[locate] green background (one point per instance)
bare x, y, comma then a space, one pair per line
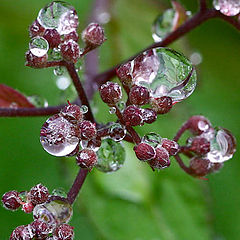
133, 203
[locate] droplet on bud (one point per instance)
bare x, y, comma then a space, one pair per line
152, 139
227, 7
60, 16
111, 156
84, 109
223, 146
59, 71
58, 136
112, 110
59, 192
54, 213
38, 46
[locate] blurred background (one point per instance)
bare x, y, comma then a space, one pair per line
133, 203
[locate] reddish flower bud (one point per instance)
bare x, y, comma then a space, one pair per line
161, 105
110, 93
72, 35
93, 35
132, 116
27, 207
40, 229
17, 233
38, 194
36, 29
171, 146
124, 73
149, 116
199, 166
10, 200
88, 130
34, 61
72, 113
144, 151
198, 124
64, 232
200, 146
70, 51
161, 159
53, 37
86, 158
139, 95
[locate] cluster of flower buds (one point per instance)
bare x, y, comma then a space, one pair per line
54, 36
156, 150
50, 214
209, 148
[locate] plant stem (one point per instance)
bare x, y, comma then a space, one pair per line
78, 85
78, 182
182, 165
29, 112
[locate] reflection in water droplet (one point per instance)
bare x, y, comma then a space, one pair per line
60, 16
60, 192
111, 156
117, 132
59, 71
58, 136
54, 213
196, 58
63, 82
38, 46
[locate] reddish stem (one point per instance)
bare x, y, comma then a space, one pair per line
182, 165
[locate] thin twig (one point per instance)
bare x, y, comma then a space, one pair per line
29, 112
78, 85
78, 182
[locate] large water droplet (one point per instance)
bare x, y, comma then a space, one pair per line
152, 139
60, 16
111, 156
164, 72
60, 192
54, 213
227, 7
58, 136
223, 146
38, 46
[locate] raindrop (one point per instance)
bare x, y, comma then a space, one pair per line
112, 110
38, 101
58, 136
223, 146
164, 72
60, 16
38, 46
59, 192
63, 82
59, 71
152, 139
111, 156
54, 213
56, 54
84, 109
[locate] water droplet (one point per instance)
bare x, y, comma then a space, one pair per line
23, 196
56, 54
84, 109
111, 156
152, 139
121, 105
54, 213
227, 7
58, 136
94, 144
59, 71
223, 146
60, 16
164, 72
117, 132
112, 110
38, 46
38, 101
60, 192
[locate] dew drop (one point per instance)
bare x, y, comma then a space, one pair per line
56, 54
164, 72
111, 156
59, 71
54, 213
38, 46
58, 136
121, 105
223, 146
84, 109
60, 192
60, 16
112, 110
38, 101
152, 139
